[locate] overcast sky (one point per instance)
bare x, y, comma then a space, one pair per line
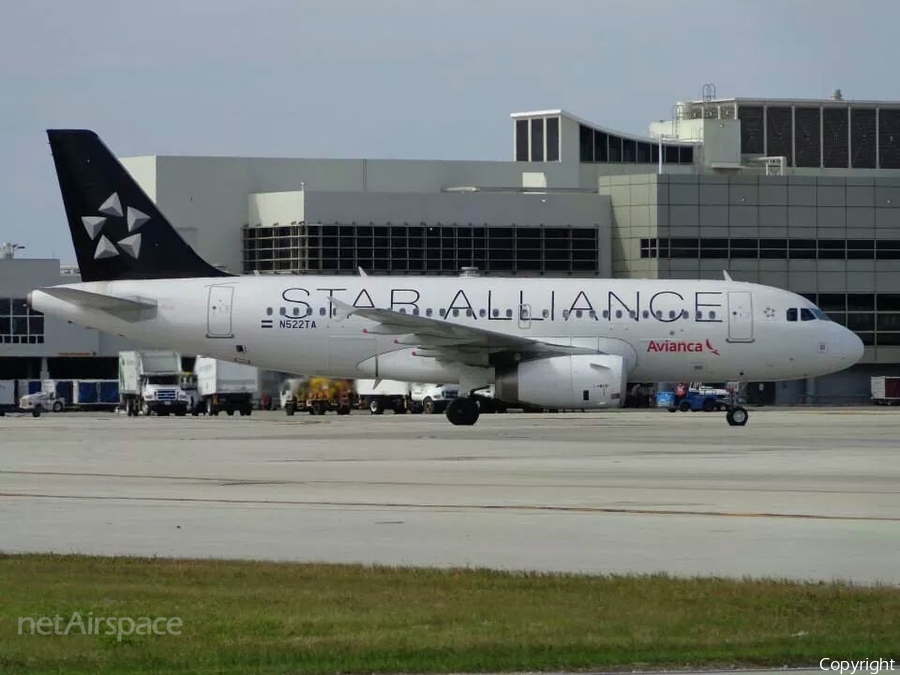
392, 78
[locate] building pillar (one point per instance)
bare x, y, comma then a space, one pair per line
45, 369
810, 390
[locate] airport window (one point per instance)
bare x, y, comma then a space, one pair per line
601, 146
860, 321
832, 249
670, 154
752, 139
615, 149
629, 151
887, 249
807, 137
860, 302
779, 136
521, 140
744, 248
19, 324
887, 322
835, 151
686, 154
888, 302
883, 339
586, 143
836, 302
643, 153
860, 249
537, 140
552, 139
862, 138
684, 248
889, 138
713, 248
773, 248
801, 249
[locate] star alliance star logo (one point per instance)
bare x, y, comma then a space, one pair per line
112, 208
769, 312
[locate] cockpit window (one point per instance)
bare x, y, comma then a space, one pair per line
806, 314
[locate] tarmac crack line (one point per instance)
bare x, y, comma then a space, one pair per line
459, 507
237, 482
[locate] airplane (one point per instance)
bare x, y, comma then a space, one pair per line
546, 342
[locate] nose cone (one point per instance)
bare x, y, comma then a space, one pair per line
850, 348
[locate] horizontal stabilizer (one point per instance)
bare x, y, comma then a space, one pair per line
107, 303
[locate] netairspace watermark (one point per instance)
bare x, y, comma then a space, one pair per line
872, 666
120, 626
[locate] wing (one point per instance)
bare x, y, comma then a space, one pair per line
443, 339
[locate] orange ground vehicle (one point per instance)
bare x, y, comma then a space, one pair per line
319, 395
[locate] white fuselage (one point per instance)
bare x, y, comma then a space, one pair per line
666, 330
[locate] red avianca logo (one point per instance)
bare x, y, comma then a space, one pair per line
681, 346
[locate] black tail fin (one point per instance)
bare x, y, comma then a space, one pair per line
117, 230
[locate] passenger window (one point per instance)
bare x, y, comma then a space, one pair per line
415, 311
618, 313
545, 313
468, 312
455, 312
699, 315
605, 313
671, 313
428, 312
282, 311
712, 314
631, 314
321, 311
592, 314
403, 310
482, 312
268, 311
443, 312
684, 314
509, 314
659, 314
806, 314
646, 314
495, 312
565, 314
578, 314
792, 314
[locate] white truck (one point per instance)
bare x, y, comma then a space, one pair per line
151, 382
381, 395
225, 385
416, 397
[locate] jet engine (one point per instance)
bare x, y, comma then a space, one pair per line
582, 381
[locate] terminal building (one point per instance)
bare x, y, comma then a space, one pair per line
799, 194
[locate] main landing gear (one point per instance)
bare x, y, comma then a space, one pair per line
463, 411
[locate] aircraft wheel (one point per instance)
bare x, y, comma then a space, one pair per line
737, 417
462, 412
376, 407
428, 406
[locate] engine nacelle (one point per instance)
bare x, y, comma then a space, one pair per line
583, 381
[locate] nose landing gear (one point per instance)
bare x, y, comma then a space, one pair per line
736, 415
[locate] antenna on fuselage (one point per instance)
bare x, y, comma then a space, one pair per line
362, 272
726, 275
